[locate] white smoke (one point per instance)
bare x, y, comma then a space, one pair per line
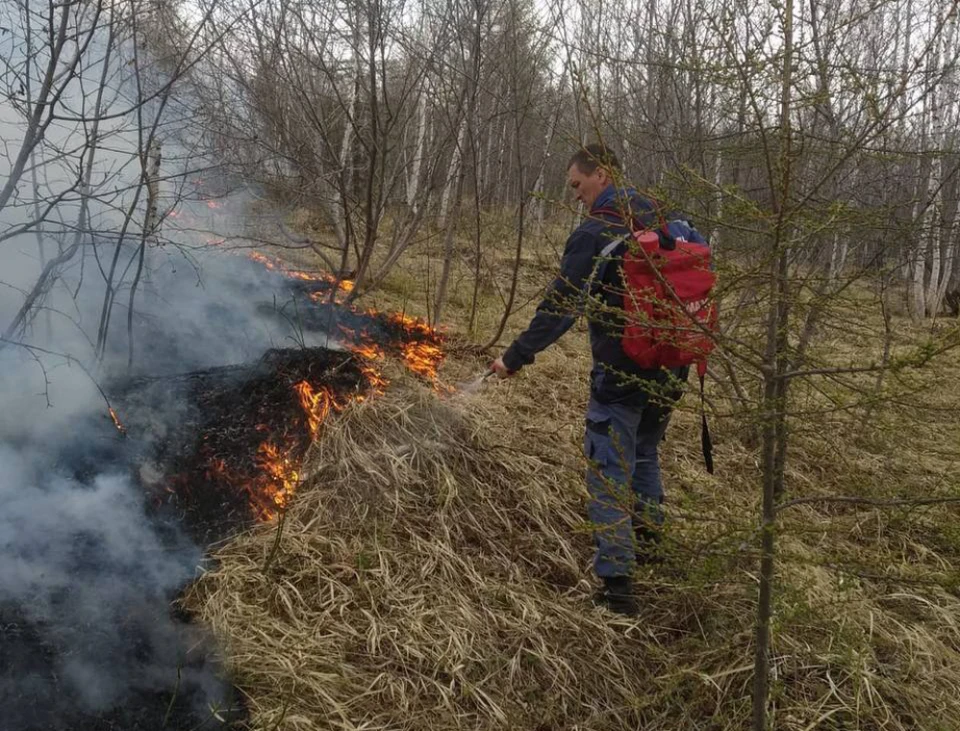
82, 562
86, 576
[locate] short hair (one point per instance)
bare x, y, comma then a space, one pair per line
592, 156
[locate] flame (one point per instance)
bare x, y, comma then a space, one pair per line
281, 475
262, 259
316, 405
423, 358
116, 421
375, 378
368, 350
412, 324
424, 355
213, 204
274, 264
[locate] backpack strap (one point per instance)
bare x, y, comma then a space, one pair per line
667, 240
609, 248
601, 261
706, 444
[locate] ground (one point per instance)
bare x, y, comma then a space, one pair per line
434, 569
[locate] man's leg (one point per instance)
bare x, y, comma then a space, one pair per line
610, 448
646, 480
647, 484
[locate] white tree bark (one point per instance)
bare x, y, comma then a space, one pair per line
717, 201
949, 234
838, 255
944, 93
455, 162
413, 180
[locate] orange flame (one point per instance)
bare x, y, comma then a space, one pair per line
412, 324
368, 350
281, 476
272, 490
262, 259
316, 405
116, 421
423, 358
274, 264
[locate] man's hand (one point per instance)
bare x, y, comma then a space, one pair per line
500, 369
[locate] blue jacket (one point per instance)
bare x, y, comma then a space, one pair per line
581, 269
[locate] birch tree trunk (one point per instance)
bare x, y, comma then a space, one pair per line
717, 201
456, 165
547, 144
931, 225
413, 180
944, 96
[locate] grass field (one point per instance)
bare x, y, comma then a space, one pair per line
434, 569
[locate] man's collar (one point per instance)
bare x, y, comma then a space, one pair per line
612, 197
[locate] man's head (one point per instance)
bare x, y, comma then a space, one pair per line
590, 170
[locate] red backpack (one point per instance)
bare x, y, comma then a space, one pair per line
671, 314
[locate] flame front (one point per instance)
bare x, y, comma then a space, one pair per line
368, 350
271, 491
273, 264
423, 358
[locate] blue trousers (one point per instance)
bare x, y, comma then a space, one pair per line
623, 478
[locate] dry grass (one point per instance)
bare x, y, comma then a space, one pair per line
434, 574
434, 571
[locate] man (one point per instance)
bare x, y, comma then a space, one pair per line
629, 407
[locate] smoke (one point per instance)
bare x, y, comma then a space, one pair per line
81, 563
87, 574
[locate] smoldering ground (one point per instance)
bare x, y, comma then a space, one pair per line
86, 583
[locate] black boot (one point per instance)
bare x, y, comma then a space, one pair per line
617, 596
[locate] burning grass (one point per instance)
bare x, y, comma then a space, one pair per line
324, 278
237, 452
250, 426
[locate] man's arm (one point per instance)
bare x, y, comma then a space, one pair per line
560, 307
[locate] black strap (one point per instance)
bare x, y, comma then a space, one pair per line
705, 442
